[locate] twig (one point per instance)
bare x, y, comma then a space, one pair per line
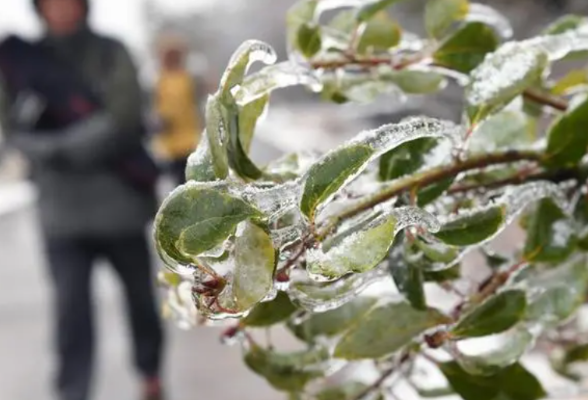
431, 176
385, 375
546, 99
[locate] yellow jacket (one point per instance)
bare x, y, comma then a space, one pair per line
176, 105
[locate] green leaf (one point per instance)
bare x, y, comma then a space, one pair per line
469, 229
368, 11
550, 234
441, 14
270, 312
506, 129
289, 372
564, 24
466, 48
512, 383
449, 274
255, 262
386, 329
169, 278
345, 391
574, 78
562, 292
380, 34
405, 159
216, 129
409, 280
495, 315
415, 81
512, 348
241, 134
493, 86
309, 40
333, 322
436, 251
240, 62
430, 193
359, 252
324, 178
301, 13
195, 219
200, 167
567, 141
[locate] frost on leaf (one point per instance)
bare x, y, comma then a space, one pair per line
364, 249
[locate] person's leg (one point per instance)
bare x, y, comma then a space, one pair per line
70, 265
131, 259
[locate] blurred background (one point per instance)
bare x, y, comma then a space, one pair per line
198, 365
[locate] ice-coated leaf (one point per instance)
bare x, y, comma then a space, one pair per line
380, 34
341, 165
441, 14
472, 228
199, 167
345, 391
196, 218
255, 261
466, 48
390, 136
321, 297
274, 77
431, 192
217, 127
550, 234
325, 177
270, 312
415, 81
409, 279
513, 382
309, 40
506, 129
489, 16
240, 139
301, 13
288, 372
502, 76
249, 52
385, 330
567, 142
506, 349
332, 322
558, 293
366, 12
495, 315
575, 79
565, 23
363, 250
519, 197
405, 159
444, 275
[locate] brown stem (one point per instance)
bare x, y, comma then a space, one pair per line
546, 99
517, 179
434, 175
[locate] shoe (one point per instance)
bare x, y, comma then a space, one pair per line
152, 389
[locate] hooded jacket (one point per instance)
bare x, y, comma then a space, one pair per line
80, 194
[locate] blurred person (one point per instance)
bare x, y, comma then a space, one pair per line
74, 110
176, 107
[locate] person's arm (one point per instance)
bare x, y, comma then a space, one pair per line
118, 126
110, 132
13, 125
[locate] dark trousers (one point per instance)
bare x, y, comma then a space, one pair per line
71, 263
